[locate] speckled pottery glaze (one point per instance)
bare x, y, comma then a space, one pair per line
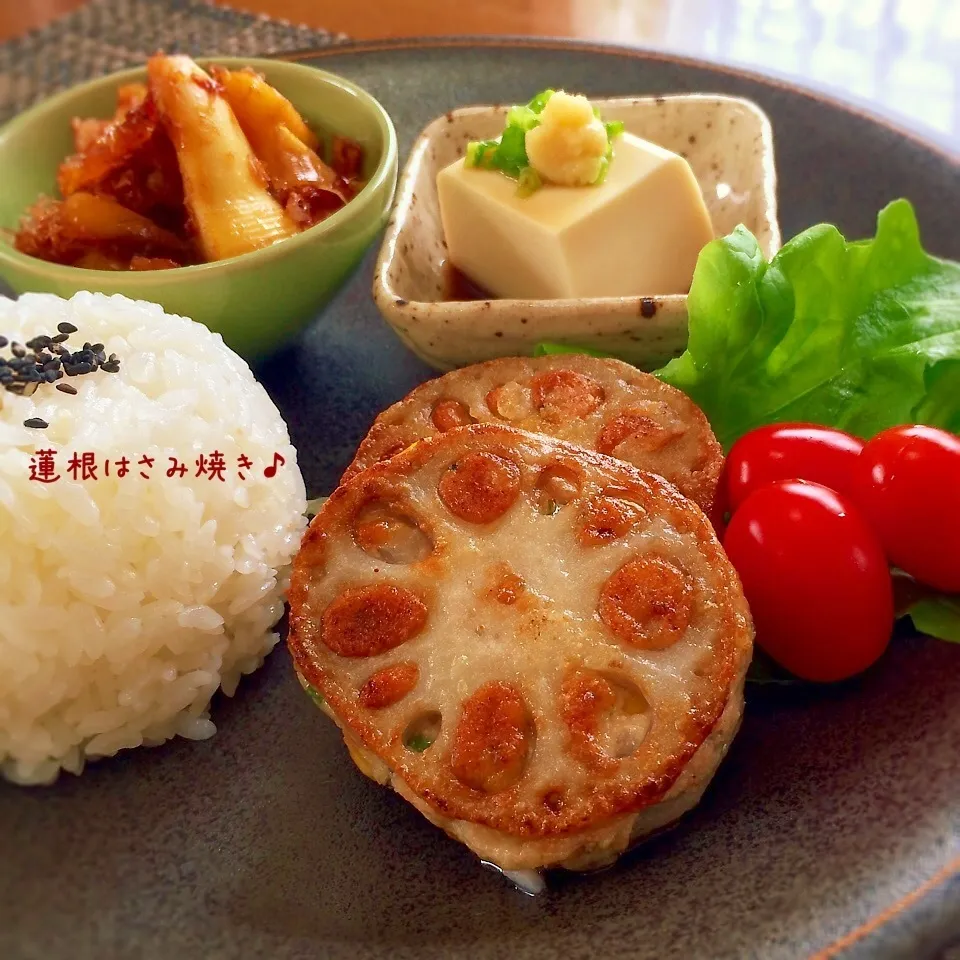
729, 144
831, 830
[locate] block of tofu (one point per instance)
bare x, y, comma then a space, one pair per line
636, 234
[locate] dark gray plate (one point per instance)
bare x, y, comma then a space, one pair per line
833, 826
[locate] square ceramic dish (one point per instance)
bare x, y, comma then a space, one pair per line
729, 144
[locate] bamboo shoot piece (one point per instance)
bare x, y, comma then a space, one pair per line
153, 263
95, 260
308, 189
224, 188
106, 149
258, 105
91, 230
87, 216
346, 157
303, 183
130, 95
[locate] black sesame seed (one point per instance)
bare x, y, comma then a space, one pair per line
35, 423
44, 359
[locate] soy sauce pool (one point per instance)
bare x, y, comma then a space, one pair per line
457, 286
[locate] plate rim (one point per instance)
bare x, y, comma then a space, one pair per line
904, 907
899, 126
900, 909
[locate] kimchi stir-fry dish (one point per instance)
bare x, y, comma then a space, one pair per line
192, 167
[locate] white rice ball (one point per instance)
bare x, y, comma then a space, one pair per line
126, 601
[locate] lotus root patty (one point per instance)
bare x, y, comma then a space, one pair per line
532, 636
604, 405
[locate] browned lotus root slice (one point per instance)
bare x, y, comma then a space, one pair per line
648, 602
610, 515
480, 487
364, 621
603, 405
533, 679
607, 715
492, 738
389, 685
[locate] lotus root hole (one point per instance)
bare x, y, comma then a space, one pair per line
390, 535
422, 731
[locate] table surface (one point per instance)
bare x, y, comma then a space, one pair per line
898, 57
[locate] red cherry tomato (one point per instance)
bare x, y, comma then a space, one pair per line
790, 451
907, 483
816, 579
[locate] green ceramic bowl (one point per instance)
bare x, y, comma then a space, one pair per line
256, 301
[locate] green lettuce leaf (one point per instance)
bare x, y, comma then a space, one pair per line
547, 347
860, 335
764, 671
937, 617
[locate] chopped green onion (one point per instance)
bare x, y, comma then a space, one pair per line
315, 695
540, 101
523, 118
614, 128
508, 152
549, 507
602, 174
511, 156
481, 153
528, 181
418, 743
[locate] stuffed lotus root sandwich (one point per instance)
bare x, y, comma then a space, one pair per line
605, 405
541, 648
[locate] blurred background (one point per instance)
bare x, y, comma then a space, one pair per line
901, 57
